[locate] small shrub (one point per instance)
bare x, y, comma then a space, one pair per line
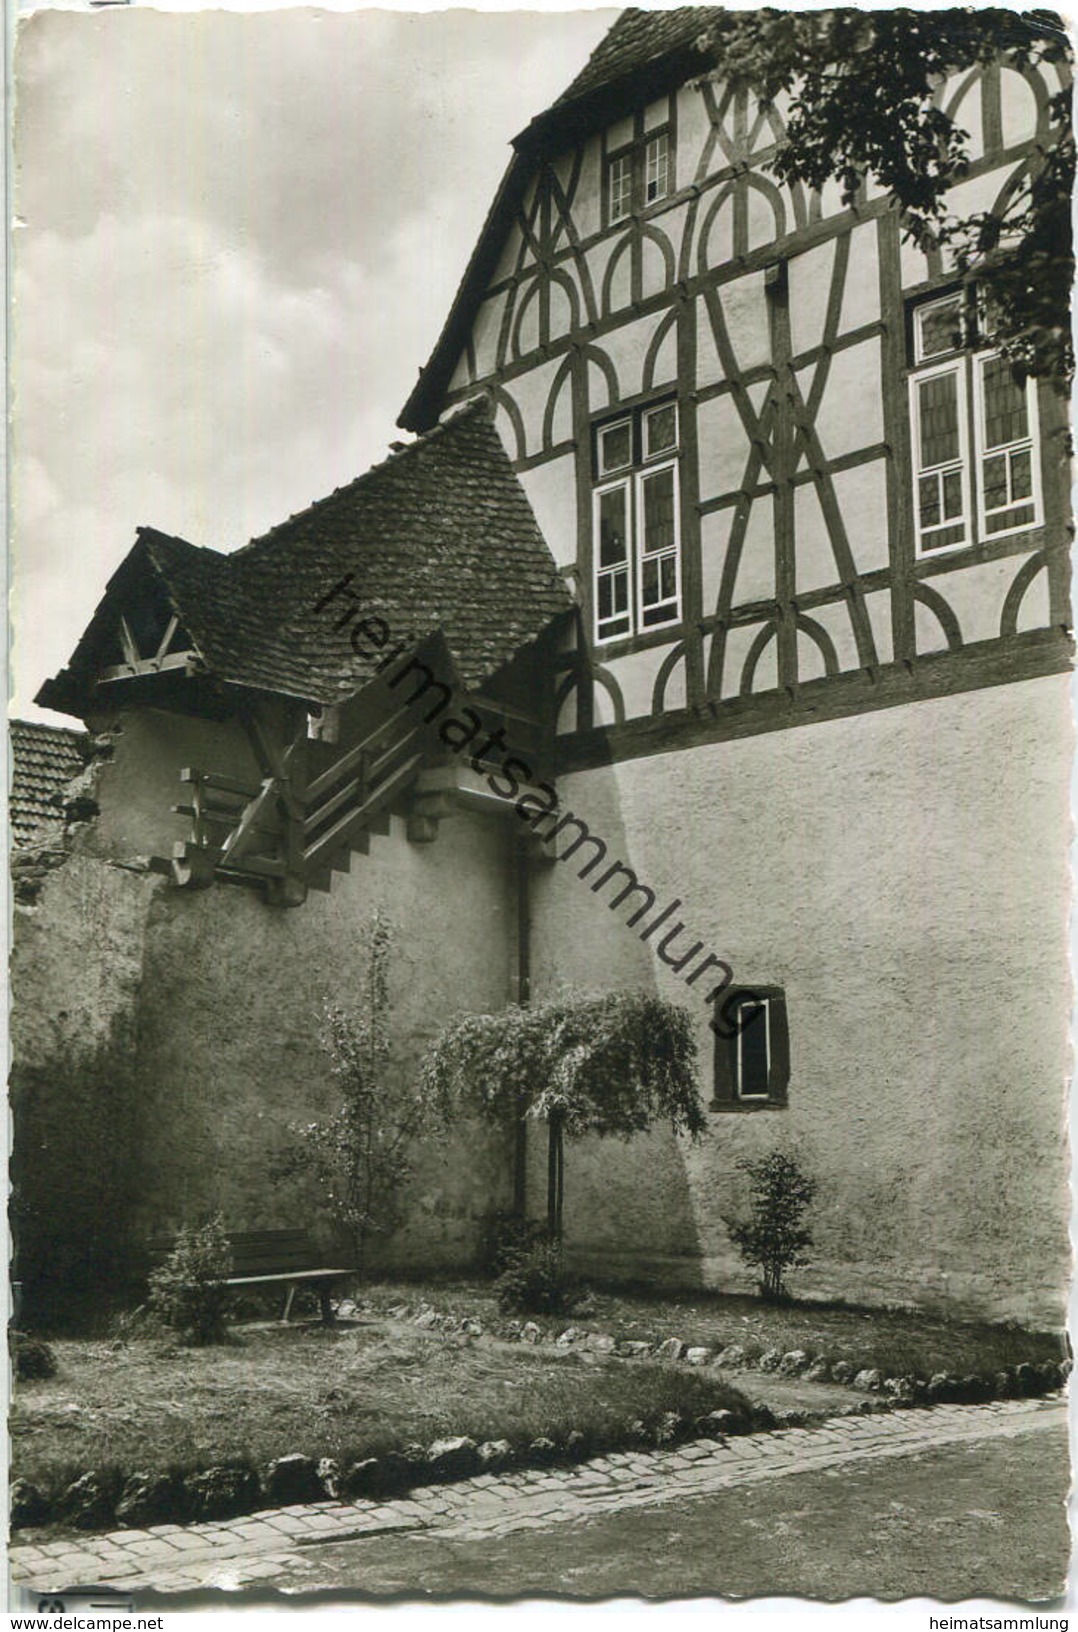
505, 1236
534, 1281
188, 1291
31, 1359
774, 1238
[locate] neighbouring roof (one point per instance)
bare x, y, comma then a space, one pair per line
643, 55
439, 536
45, 758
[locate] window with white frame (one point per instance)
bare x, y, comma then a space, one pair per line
974, 433
621, 186
656, 167
636, 523
639, 174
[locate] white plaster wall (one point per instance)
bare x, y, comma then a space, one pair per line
902, 875
209, 1003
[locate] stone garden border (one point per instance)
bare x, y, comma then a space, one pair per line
102, 1500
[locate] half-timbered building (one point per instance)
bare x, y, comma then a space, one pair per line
712, 637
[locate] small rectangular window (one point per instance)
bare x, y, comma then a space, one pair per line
1009, 499
752, 1050
939, 327
615, 447
657, 168
639, 174
660, 430
612, 613
621, 186
940, 452
658, 544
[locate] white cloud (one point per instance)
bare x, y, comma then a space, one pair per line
243, 233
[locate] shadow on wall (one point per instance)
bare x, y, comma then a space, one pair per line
74, 1174
628, 1202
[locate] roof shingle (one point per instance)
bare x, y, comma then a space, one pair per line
637, 39
45, 758
439, 536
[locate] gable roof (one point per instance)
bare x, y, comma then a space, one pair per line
636, 41
439, 536
45, 758
643, 55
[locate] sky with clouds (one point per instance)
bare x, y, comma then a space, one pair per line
238, 237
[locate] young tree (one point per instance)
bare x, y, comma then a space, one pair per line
773, 1238
613, 1064
360, 1157
864, 89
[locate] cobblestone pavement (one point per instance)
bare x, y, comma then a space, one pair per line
243, 1552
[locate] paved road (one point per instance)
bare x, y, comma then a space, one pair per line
954, 1502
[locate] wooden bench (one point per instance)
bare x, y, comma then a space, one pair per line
272, 1257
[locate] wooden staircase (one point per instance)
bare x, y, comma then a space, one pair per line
315, 805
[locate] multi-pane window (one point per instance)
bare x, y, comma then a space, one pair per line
621, 186
639, 175
974, 434
657, 167
1005, 414
637, 571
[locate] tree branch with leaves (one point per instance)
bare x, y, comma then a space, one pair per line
360, 1157
615, 1064
864, 91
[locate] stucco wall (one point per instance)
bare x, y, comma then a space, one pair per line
902, 875
185, 1025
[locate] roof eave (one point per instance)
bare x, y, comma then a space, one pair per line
563, 125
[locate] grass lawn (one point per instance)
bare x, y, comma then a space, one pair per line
350, 1392
379, 1383
897, 1342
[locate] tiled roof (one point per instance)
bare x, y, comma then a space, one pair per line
44, 759
439, 536
636, 40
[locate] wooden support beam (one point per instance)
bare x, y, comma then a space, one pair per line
166, 639
289, 891
242, 835
274, 762
132, 655
219, 782
142, 666
186, 853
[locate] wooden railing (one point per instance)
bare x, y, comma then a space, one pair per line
315, 804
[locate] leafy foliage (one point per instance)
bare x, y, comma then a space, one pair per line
533, 1280
865, 99
188, 1291
774, 1238
613, 1064
359, 1158
31, 1358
